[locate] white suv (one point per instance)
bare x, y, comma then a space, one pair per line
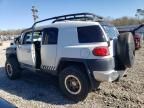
81, 49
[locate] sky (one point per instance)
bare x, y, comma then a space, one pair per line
16, 14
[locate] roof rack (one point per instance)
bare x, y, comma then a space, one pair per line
77, 16
73, 17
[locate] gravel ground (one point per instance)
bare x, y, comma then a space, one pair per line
39, 91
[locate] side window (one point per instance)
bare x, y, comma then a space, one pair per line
90, 34
27, 38
37, 36
50, 36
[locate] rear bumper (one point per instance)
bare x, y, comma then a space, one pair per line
105, 69
108, 76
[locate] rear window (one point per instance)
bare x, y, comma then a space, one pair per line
111, 31
90, 34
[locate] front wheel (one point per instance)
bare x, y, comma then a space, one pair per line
74, 83
12, 68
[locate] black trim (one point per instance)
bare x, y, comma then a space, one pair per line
49, 69
29, 67
46, 69
23, 65
11, 51
101, 64
88, 71
92, 65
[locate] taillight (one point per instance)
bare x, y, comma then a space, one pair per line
101, 51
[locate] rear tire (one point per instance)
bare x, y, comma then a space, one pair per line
12, 68
73, 83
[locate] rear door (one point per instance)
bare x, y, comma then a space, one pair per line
49, 48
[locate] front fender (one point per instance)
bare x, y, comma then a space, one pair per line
11, 51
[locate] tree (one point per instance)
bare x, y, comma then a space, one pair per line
125, 21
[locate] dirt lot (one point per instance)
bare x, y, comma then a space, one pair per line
34, 91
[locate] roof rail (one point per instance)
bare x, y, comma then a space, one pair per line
77, 16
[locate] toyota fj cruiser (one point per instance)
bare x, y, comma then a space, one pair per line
81, 49
135, 30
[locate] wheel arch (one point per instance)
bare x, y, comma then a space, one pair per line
11, 52
65, 62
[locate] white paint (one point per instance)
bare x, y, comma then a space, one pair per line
48, 55
26, 54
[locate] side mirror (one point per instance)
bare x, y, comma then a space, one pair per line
18, 42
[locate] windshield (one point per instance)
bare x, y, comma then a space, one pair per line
111, 31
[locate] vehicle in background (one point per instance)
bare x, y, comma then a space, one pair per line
138, 38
